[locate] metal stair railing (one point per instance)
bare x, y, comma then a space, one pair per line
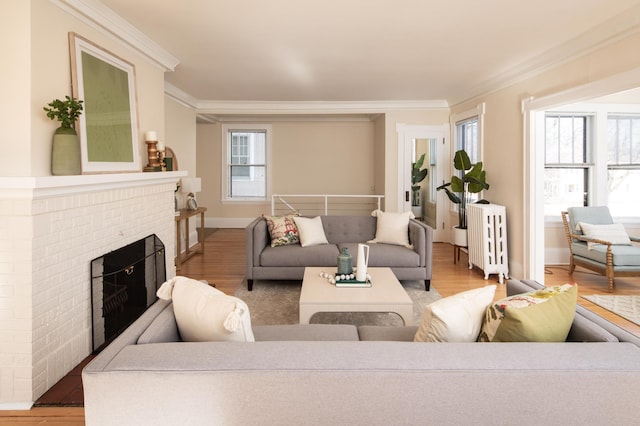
309, 204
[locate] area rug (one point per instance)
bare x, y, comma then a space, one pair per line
276, 302
627, 307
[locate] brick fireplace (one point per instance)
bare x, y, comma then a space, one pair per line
50, 230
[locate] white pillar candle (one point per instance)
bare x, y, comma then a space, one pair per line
160, 146
151, 136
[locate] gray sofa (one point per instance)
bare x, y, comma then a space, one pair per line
342, 374
288, 262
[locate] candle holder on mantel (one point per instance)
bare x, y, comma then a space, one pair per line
154, 164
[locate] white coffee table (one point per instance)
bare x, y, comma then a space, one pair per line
386, 294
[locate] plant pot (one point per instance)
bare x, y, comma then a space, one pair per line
417, 211
459, 236
65, 153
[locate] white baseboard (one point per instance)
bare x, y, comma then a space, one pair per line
556, 256
227, 222
11, 406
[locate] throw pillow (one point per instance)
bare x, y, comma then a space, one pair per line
282, 230
205, 314
392, 228
614, 233
543, 315
311, 231
456, 318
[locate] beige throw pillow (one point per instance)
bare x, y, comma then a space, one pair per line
205, 314
311, 231
392, 228
456, 318
614, 233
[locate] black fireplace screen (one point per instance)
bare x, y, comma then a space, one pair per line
123, 285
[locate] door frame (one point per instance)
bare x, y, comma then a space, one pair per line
406, 134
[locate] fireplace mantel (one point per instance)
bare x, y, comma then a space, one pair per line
52, 186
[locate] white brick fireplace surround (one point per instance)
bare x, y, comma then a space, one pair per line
50, 229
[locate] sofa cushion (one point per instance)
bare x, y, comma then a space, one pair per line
162, 329
387, 333
623, 255
204, 313
349, 229
318, 332
282, 230
294, 255
384, 255
544, 315
311, 231
392, 228
456, 318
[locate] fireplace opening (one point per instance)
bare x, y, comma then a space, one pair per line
123, 285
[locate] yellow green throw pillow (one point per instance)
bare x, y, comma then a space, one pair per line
539, 316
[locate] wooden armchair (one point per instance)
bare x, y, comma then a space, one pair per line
605, 257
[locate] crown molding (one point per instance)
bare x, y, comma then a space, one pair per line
602, 35
314, 107
100, 17
180, 96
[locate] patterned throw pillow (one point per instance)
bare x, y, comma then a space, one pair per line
283, 230
543, 315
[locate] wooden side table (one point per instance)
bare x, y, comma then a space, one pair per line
184, 216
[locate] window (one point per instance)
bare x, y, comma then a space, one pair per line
567, 162
245, 162
467, 138
623, 164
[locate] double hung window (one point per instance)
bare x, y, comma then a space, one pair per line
568, 165
623, 164
245, 157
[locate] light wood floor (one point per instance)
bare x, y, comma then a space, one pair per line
223, 264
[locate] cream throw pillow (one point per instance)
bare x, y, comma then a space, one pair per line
614, 233
311, 231
456, 318
392, 228
205, 314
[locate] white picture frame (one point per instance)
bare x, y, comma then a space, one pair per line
108, 127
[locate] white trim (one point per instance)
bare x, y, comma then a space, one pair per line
100, 17
54, 186
15, 406
180, 96
313, 107
227, 222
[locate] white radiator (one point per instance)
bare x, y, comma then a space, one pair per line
487, 239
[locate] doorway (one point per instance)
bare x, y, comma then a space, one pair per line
426, 203
534, 112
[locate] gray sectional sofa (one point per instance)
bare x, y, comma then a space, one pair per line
342, 374
264, 262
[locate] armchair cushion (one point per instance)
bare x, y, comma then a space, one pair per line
614, 233
623, 255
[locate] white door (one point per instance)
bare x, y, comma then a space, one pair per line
433, 142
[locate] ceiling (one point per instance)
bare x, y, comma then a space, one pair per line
332, 51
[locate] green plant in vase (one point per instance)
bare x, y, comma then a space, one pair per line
65, 152
472, 181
